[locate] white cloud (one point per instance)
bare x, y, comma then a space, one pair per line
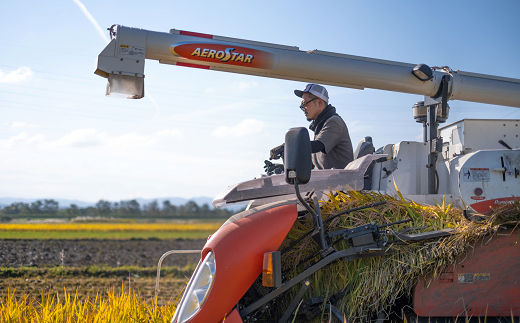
245, 85
81, 138
91, 137
359, 127
18, 124
231, 88
20, 75
133, 140
22, 125
245, 128
22, 139
169, 133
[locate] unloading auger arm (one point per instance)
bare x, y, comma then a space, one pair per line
122, 62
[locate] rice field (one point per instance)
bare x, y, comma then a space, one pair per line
94, 294
126, 306
373, 284
108, 230
87, 282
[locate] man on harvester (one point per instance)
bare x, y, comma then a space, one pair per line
331, 147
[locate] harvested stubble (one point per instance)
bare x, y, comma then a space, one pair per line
375, 283
126, 306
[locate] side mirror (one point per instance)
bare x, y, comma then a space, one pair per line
297, 156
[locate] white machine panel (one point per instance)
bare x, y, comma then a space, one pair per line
486, 179
407, 169
470, 135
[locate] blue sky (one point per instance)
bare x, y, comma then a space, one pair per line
60, 137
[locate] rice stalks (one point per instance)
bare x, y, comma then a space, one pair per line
375, 283
124, 307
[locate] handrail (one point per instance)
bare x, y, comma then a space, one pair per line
160, 262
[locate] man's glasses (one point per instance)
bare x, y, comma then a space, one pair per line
303, 106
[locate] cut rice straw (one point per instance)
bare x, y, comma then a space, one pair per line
375, 283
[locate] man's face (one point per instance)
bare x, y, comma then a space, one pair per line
312, 107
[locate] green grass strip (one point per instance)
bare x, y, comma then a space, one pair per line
95, 271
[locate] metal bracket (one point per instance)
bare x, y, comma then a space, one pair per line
436, 146
160, 262
295, 301
319, 226
391, 168
423, 236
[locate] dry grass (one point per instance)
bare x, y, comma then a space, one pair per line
375, 283
127, 306
85, 286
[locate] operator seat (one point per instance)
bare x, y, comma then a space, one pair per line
366, 147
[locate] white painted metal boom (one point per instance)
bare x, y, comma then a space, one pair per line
122, 62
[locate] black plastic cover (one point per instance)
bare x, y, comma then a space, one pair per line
297, 158
423, 72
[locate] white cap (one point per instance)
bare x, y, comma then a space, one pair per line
315, 89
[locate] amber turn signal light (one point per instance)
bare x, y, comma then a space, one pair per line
272, 269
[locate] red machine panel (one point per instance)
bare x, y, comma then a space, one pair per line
485, 282
239, 249
233, 317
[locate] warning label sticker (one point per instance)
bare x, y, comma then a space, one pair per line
133, 51
471, 278
475, 174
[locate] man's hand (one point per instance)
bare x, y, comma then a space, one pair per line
277, 152
271, 168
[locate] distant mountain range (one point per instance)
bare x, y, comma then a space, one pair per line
64, 203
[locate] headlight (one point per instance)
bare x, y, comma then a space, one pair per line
197, 290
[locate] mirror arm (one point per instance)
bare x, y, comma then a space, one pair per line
320, 229
302, 201
324, 245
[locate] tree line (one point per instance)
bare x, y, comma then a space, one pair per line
103, 208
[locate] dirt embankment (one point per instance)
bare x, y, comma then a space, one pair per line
114, 253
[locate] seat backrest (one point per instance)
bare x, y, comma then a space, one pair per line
364, 147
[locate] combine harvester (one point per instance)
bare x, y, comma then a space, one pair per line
474, 163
